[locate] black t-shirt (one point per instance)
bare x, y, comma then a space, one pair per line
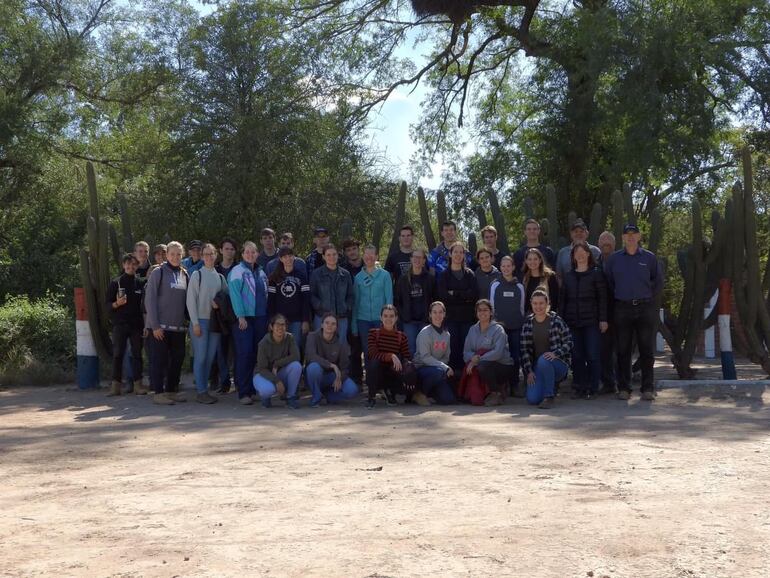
418, 303
225, 271
398, 263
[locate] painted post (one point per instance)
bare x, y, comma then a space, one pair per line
709, 346
725, 338
88, 360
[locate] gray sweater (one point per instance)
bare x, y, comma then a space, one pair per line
204, 286
324, 353
485, 281
494, 340
165, 298
275, 355
432, 348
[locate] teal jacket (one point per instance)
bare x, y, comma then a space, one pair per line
371, 293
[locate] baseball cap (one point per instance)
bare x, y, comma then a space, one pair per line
319, 230
579, 224
630, 228
195, 244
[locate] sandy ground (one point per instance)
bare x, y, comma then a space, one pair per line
92, 486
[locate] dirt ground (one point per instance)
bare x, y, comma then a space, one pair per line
93, 486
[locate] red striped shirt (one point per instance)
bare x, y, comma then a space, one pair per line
383, 343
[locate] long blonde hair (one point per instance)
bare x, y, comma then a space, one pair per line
545, 271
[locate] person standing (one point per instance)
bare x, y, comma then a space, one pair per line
287, 240
353, 263
507, 296
459, 291
315, 259
373, 288
399, 261
415, 290
438, 260
205, 283
328, 359
608, 356
583, 305
486, 273
269, 250
165, 302
124, 298
228, 249
247, 285
635, 278
142, 255
432, 360
538, 275
193, 262
278, 366
489, 239
288, 294
546, 344
331, 291
532, 241
158, 256
579, 234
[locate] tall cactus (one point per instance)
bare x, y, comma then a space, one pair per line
529, 208
552, 213
441, 211
346, 230
499, 220
473, 245
427, 228
595, 227
377, 233
617, 218
400, 215
628, 204
481, 215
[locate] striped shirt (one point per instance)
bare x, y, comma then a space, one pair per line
384, 343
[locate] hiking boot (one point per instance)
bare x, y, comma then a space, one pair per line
224, 388
246, 400
114, 389
493, 399
292, 403
648, 395
140, 388
315, 403
420, 399
547, 403
206, 398
624, 395
162, 399
176, 396
390, 397
608, 390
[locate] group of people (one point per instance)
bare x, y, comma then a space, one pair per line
440, 326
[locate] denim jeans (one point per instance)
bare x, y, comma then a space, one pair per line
586, 366
342, 325
288, 374
320, 382
246, 342
295, 328
412, 329
204, 350
363, 333
433, 383
547, 375
226, 345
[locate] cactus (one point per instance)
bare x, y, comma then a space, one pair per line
481, 215
551, 211
595, 226
377, 233
571, 218
346, 229
400, 215
472, 244
545, 232
656, 230
441, 212
617, 218
529, 208
499, 220
427, 228
628, 204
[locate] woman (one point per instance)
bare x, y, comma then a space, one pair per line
415, 290
583, 305
539, 275
459, 291
486, 349
205, 283
487, 273
432, 359
247, 286
278, 366
328, 362
545, 351
388, 352
165, 302
373, 288
331, 290
507, 297
288, 293
228, 249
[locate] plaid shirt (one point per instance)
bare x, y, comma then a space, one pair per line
558, 336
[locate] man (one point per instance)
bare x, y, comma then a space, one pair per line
142, 255
635, 277
608, 355
124, 298
353, 263
315, 259
228, 249
489, 239
194, 261
158, 256
286, 240
398, 262
532, 239
438, 259
269, 250
578, 234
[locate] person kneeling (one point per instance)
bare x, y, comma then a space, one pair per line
387, 356
486, 352
328, 362
432, 360
278, 366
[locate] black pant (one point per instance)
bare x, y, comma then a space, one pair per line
381, 375
166, 359
635, 321
608, 357
121, 336
495, 375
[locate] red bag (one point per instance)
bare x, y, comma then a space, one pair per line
471, 388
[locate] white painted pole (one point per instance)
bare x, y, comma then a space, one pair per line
709, 337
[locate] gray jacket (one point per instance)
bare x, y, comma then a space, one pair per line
165, 298
324, 353
494, 340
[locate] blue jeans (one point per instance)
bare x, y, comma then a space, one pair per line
547, 375
295, 328
246, 342
433, 383
288, 374
342, 325
412, 329
363, 333
320, 383
458, 330
204, 350
586, 353
226, 345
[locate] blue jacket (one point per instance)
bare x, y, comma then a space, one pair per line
371, 293
331, 291
248, 290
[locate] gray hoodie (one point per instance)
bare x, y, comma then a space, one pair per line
165, 298
494, 340
432, 348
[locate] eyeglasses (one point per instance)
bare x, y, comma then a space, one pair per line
209, 254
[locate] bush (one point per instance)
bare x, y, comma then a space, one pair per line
37, 341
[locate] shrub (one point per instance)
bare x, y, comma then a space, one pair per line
37, 341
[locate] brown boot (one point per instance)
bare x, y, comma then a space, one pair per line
162, 399
140, 388
115, 389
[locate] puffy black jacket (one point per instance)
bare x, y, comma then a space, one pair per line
459, 295
583, 298
404, 296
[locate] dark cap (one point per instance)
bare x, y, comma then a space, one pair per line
319, 230
630, 228
579, 224
195, 244
285, 251
159, 248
